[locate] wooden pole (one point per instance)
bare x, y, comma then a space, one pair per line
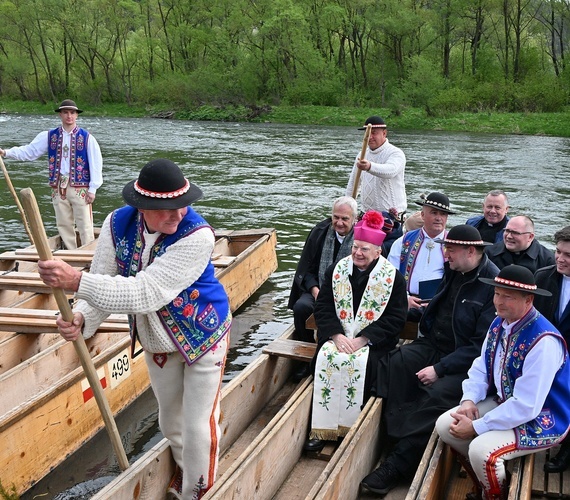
15, 196
44, 252
362, 154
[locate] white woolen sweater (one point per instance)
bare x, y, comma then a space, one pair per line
102, 291
382, 187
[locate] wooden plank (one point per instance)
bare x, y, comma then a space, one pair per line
18, 348
354, 459
61, 419
23, 320
252, 268
293, 349
244, 397
521, 468
47, 369
223, 260
409, 332
433, 449
272, 455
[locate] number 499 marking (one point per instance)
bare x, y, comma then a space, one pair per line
119, 368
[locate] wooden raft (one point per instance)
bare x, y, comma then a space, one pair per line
438, 475
22, 320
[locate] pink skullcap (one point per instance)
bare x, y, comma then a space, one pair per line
369, 229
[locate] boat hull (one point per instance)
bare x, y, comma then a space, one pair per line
52, 407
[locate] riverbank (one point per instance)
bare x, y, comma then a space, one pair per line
548, 124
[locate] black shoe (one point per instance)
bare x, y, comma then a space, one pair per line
304, 370
382, 480
560, 462
314, 445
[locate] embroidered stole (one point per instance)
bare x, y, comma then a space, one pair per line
339, 377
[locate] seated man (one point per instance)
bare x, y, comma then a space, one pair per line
359, 313
416, 254
556, 309
419, 381
494, 219
515, 399
328, 242
519, 246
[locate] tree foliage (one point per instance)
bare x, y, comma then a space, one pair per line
443, 55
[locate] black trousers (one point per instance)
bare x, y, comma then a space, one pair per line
302, 310
410, 408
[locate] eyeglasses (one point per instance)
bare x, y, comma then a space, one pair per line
355, 248
516, 233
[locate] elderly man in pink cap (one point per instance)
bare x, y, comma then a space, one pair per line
360, 311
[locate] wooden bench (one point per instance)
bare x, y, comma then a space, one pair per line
409, 332
14, 319
438, 475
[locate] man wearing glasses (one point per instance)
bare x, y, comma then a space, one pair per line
520, 247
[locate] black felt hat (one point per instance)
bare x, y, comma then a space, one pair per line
161, 186
68, 104
463, 234
436, 200
518, 278
375, 121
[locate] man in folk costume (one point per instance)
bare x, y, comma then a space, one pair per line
360, 312
416, 254
75, 172
153, 262
516, 399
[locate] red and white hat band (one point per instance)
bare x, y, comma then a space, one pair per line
158, 194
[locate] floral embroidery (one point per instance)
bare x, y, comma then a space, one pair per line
326, 373
354, 376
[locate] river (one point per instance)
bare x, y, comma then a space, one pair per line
286, 177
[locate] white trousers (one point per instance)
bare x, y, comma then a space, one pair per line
486, 453
189, 412
70, 212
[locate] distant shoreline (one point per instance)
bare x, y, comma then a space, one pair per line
543, 124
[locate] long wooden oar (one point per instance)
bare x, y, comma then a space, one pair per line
44, 252
362, 153
15, 196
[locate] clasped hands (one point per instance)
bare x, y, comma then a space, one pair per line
463, 428
346, 345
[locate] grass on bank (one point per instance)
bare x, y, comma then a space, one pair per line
551, 124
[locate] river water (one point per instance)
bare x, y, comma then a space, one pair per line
286, 177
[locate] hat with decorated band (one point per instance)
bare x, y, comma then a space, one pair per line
465, 235
369, 228
68, 104
515, 277
375, 121
161, 185
435, 200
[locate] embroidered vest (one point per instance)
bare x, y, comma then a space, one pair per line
411, 244
200, 315
78, 161
374, 299
552, 422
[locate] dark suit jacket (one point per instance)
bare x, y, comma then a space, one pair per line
533, 258
550, 279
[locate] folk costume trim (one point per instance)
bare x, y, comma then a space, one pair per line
78, 161
199, 316
411, 245
339, 377
164, 195
546, 429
